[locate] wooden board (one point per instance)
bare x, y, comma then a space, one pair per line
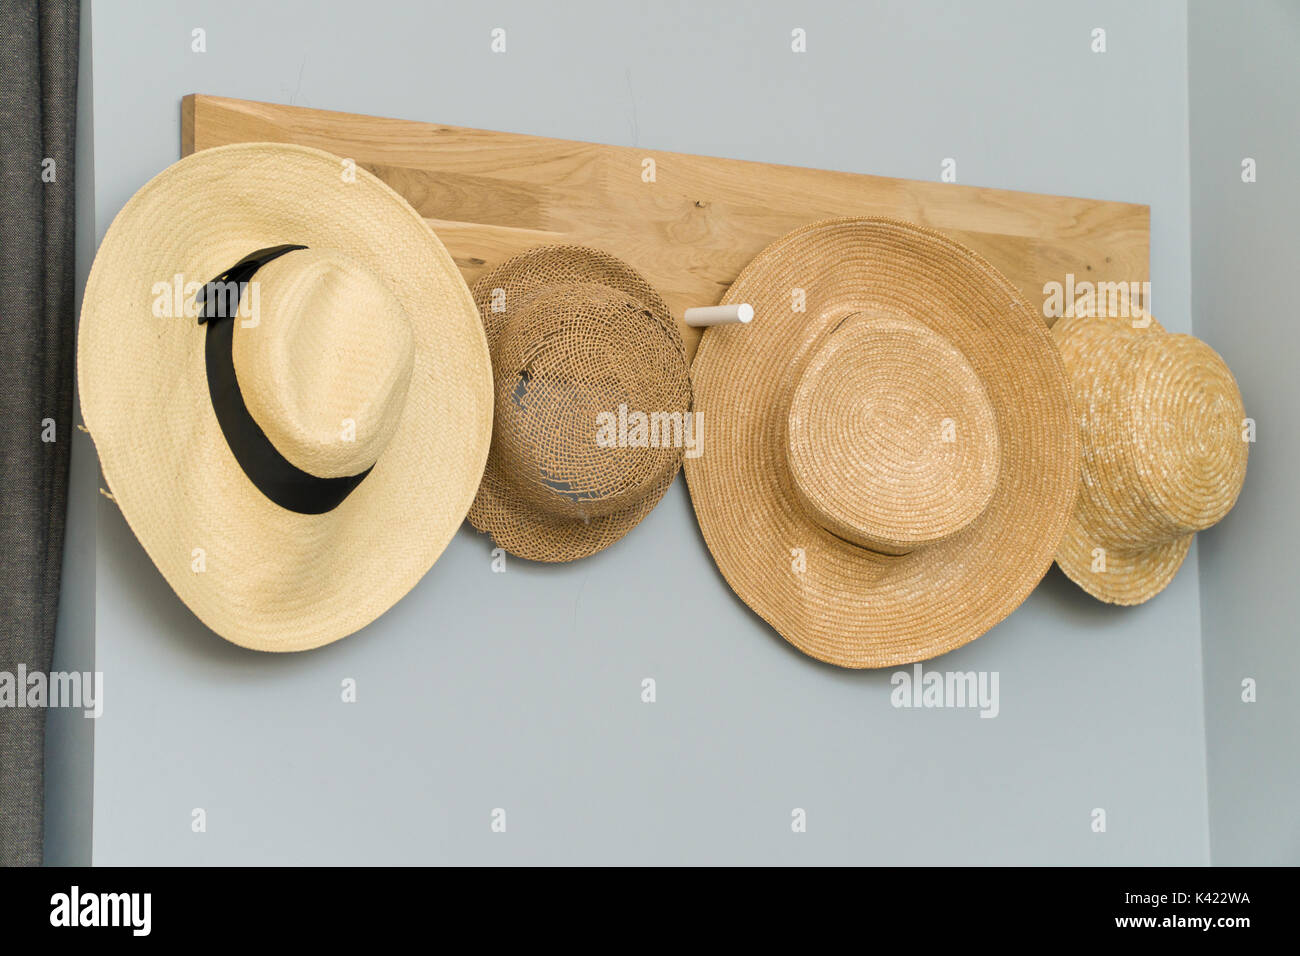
491, 195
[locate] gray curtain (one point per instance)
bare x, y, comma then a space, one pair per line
38, 98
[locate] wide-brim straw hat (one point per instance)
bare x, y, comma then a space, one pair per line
295, 467
891, 457
1163, 457
582, 347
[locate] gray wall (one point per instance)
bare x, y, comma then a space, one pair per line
1245, 102
521, 690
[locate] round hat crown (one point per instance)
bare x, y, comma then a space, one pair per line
324, 358
1163, 452
591, 400
892, 441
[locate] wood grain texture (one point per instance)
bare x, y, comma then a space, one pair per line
490, 195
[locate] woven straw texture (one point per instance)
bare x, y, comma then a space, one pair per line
576, 334
372, 323
1160, 418
916, 405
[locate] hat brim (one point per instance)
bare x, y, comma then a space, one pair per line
1127, 577
257, 574
833, 600
497, 511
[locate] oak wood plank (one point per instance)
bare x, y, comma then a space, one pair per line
490, 195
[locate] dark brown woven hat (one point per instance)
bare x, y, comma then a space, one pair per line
581, 346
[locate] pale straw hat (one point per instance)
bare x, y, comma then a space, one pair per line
593, 400
1161, 422
891, 456
294, 468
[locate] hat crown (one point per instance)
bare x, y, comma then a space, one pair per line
892, 440
591, 400
324, 359
1164, 455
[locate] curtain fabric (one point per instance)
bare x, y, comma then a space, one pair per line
38, 96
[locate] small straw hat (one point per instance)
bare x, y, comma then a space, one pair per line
289, 389
1163, 455
593, 400
891, 457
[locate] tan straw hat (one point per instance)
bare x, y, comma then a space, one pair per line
295, 443
1163, 454
593, 401
891, 457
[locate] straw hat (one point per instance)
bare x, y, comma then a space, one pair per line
593, 400
891, 457
1163, 456
295, 467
